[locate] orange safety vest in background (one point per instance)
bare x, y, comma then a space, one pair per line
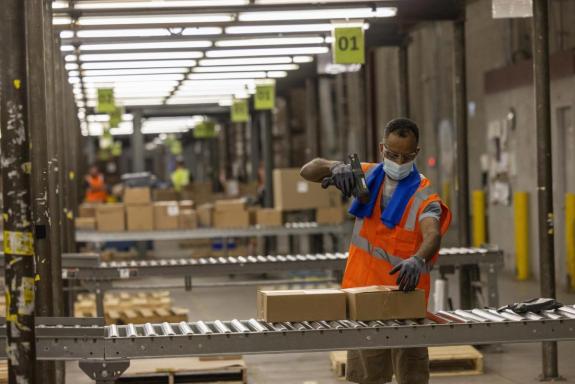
96, 192
375, 249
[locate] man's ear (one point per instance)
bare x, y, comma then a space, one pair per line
381, 148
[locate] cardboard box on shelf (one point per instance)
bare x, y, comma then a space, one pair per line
230, 205
332, 215
111, 217
249, 189
140, 217
166, 215
188, 219
205, 215
335, 197
269, 217
231, 219
187, 204
301, 305
138, 195
385, 303
167, 194
292, 192
87, 210
85, 223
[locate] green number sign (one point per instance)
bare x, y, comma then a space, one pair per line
240, 112
265, 97
348, 45
106, 102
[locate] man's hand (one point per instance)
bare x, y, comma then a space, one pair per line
409, 272
343, 179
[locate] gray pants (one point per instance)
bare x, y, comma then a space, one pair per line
377, 366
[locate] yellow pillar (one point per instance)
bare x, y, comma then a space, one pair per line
521, 209
479, 225
570, 236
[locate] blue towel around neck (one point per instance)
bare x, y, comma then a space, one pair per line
391, 215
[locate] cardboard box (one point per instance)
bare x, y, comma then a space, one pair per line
249, 189
231, 219
111, 217
139, 195
166, 215
140, 217
205, 215
230, 205
333, 215
385, 303
86, 223
188, 219
269, 217
165, 195
301, 305
187, 204
292, 192
87, 210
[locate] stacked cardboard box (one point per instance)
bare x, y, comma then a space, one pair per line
364, 303
139, 210
166, 215
268, 217
231, 214
292, 192
111, 217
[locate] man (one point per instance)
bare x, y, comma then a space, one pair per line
95, 186
396, 239
181, 176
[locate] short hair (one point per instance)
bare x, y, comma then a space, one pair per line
403, 127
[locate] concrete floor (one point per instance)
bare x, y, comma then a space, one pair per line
520, 363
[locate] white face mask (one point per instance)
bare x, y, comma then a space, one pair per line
397, 171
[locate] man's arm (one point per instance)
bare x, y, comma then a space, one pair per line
317, 169
431, 238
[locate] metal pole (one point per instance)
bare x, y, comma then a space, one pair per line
403, 78
254, 149
138, 143
38, 40
544, 171
16, 194
268, 158
470, 273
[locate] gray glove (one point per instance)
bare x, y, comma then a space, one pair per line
343, 179
409, 272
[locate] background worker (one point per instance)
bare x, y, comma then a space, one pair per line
96, 190
181, 176
396, 240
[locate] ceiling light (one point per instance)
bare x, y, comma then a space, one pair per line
61, 20
317, 14
59, 4
66, 34
140, 64
277, 74
246, 61
135, 78
245, 29
142, 87
229, 75
193, 100
143, 71
156, 4
268, 52
71, 66
155, 45
204, 93
167, 19
302, 59
123, 33
66, 48
270, 41
247, 68
140, 56
70, 58
225, 102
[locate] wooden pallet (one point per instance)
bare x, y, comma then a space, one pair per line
185, 370
463, 360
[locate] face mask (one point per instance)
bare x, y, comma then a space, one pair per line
397, 171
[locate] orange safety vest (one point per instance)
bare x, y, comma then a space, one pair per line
96, 192
375, 248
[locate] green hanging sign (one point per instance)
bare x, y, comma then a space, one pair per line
348, 45
106, 101
116, 117
240, 111
205, 130
265, 97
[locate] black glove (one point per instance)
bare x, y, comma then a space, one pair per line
343, 179
409, 272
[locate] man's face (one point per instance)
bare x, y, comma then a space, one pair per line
94, 171
399, 149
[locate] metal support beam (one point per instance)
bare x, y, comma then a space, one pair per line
137, 138
268, 158
312, 119
372, 134
470, 273
544, 171
403, 78
254, 150
16, 182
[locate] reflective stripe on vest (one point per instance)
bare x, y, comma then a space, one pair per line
418, 199
380, 253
